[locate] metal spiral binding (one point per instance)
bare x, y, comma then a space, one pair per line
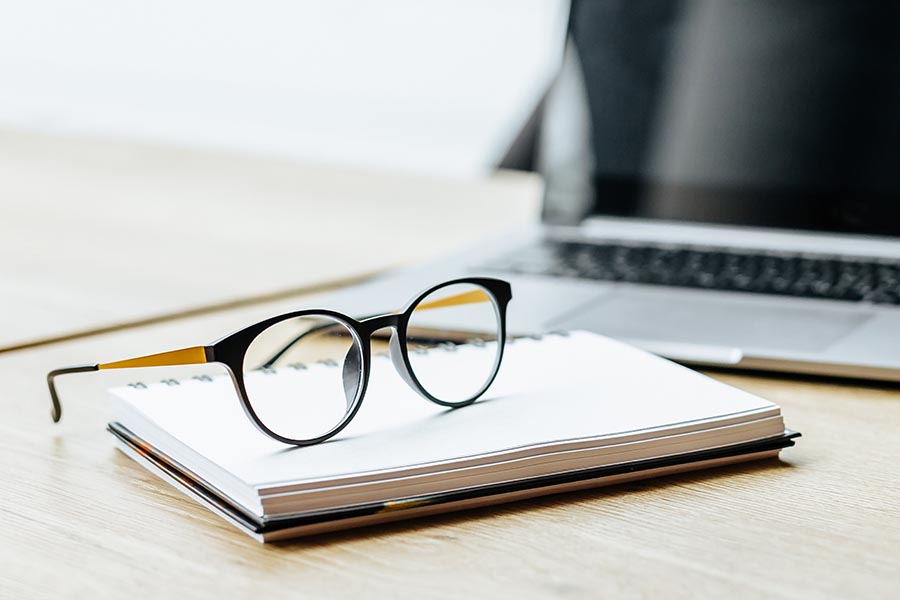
299, 366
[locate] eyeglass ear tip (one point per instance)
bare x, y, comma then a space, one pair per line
55, 414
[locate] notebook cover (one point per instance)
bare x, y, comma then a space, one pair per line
332, 520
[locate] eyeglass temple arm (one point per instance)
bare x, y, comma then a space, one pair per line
56, 410
185, 356
470, 297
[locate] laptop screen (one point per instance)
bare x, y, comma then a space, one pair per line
753, 112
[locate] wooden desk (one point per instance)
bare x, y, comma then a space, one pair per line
97, 233
81, 520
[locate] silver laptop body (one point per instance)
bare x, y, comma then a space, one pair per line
740, 228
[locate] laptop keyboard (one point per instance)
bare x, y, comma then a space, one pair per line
833, 278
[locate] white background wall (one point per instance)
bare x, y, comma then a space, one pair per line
433, 86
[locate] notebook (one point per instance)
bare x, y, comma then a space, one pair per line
567, 411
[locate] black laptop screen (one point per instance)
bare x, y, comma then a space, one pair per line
753, 112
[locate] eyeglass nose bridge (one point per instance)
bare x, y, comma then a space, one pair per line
373, 324
352, 366
391, 321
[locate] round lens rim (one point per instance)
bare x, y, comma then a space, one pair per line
499, 312
246, 402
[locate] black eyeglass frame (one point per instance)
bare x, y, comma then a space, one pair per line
231, 350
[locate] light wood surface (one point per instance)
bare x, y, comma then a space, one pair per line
98, 233
81, 520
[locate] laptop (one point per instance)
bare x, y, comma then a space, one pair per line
722, 188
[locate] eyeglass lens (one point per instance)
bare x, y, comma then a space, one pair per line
453, 341
302, 376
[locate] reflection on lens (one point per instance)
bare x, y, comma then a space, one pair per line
452, 341
303, 376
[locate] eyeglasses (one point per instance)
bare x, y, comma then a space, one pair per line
323, 358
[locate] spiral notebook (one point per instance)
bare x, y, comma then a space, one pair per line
567, 411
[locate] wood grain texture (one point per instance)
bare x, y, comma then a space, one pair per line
81, 520
97, 233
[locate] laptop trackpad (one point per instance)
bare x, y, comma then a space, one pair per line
693, 318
